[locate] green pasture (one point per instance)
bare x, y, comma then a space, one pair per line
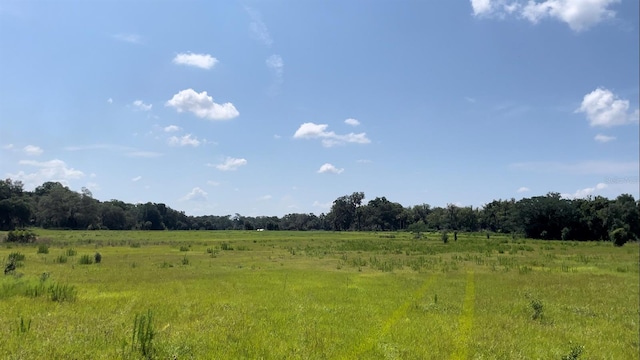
316, 295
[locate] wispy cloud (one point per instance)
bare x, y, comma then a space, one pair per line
143, 154
276, 66
202, 105
130, 38
523, 189
329, 168
140, 105
257, 27
230, 164
329, 138
185, 140
136, 179
172, 128
32, 150
604, 138
603, 108
126, 150
265, 198
202, 61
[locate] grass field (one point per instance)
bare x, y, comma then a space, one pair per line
317, 295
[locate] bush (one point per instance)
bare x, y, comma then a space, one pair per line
445, 237
85, 260
61, 259
620, 236
71, 252
97, 257
21, 236
43, 249
184, 248
537, 307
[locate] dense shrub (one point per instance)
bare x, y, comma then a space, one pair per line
620, 236
21, 236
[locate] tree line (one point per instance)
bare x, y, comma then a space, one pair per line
53, 205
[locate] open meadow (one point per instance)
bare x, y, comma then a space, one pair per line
316, 295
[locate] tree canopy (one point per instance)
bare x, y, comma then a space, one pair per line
53, 205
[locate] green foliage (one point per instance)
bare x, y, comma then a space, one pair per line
185, 260
444, 236
538, 309
23, 326
60, 259
21, 236
62, 292
97, 258
85, 260
184, 248
143, 335
71, 252
16, 256
620, 236
574, 354
43, 249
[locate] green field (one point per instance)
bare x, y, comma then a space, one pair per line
317, 295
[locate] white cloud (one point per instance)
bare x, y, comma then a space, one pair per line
203, 61
172, 128
130, 38
523, 189
32, 150
196, 194
329, 138
185, 140
52, 170
352, 122
202, 105
481, 7
580, 168
578, 14
137, 178
265, 198
213, 183
604, 108
257, 27
470, 99
604, 138
364, 161
110, 100
328, 168
230, 164
140, 105
583, 193
8, 146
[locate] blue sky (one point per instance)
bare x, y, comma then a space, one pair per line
276, 107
